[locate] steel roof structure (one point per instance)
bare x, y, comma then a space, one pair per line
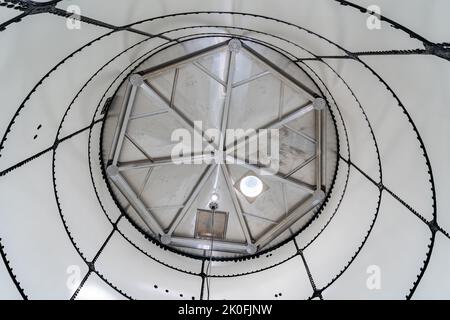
92, 205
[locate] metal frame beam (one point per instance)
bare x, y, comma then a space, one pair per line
186, 59
221, 151
255, 216
138, 146
233, 46
324, 143
276, 124
298, 132
319, 106
205, 244
293, 216
150, 90
267, 173
209, 73
146, 163
279, 73
179, 206
126, 97
127, 106
123, 186
285, 203
291, 116
148, 114
236, 204
190, 200
300, 166
252, 78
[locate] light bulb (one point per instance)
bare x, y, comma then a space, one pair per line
214, 197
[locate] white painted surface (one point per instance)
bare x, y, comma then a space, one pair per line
31, 228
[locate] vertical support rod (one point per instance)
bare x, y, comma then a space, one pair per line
126, 97
324, 147
318, 116
281, 102
236, 204
124, 123
134, 200
174, 88
192, 197
234, 47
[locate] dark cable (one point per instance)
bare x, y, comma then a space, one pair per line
213, 207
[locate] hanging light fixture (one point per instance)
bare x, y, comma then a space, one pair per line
214, 197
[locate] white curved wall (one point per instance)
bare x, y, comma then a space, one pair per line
390, 102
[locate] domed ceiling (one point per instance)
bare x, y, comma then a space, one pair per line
96, 204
